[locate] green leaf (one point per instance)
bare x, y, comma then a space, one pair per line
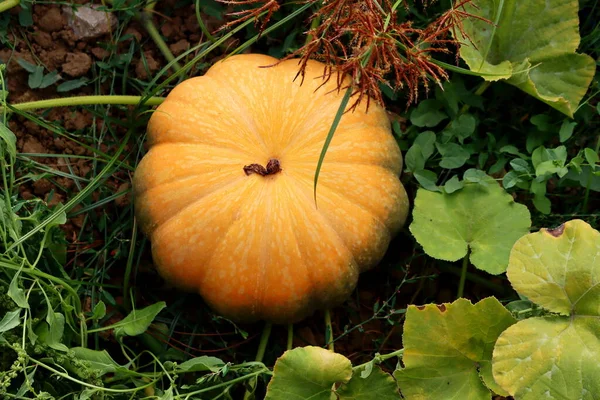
510, 179
542, 121
453, 155
138, 321
427, 179
308, 373
463, 126
422, 148
566, 130
99, 361
378, 385
428, 113
482, 218
99, 311
520, 165
201, 364
453, 185
585, 178
532, 45
35, 79
16, 293
49, 79
540, 201
10, 320
448, 350
474, 175
554, 357
27, 66
8, 141
414, 158
591, 156
56, 324
71, 85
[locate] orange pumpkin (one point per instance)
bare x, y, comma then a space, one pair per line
225, 192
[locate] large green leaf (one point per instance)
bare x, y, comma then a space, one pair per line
308, 373
554, 357
482, 218
448, 350
532, 45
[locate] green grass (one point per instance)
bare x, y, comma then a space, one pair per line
71, 291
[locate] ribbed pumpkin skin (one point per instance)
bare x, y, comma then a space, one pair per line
257, 247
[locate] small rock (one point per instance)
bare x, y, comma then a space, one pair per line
151, 64
55, 200
41, 187
167, 30
77, 64
180, 47
32, 145
52, 20
43, 39
88, 23
100, 53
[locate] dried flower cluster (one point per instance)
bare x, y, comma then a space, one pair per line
365, 40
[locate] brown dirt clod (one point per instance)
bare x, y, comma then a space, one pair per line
77, 64
52, 20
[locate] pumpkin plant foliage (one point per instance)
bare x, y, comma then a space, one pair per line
480, 221
530, 44
311, 372
448, 349
226, 191
554, 356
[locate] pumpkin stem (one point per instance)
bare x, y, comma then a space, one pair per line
273, 167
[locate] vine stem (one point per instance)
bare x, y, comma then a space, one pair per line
379, 358
201, 23
260, 353
290, 337
146, 19
264, 339
83, 101
328, 331
8, 4
463, 275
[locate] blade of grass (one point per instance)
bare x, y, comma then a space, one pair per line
332, 129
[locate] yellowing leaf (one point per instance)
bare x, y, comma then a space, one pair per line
308, 373
559, 269
448, 349
554, 357
550, 358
